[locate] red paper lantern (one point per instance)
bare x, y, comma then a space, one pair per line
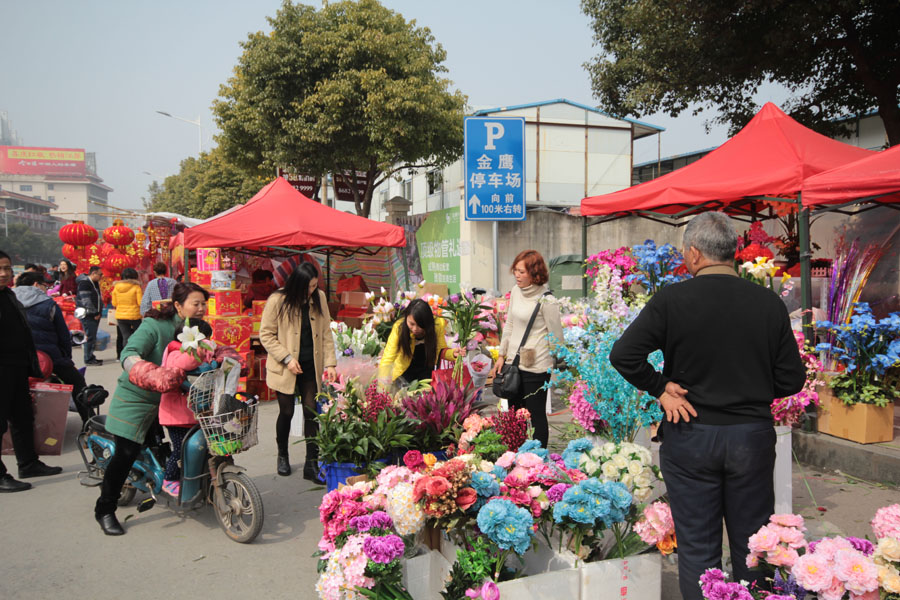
114, 263
118, 234
71, 252
78, 234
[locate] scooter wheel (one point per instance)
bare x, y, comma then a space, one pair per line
243, 519
127, 495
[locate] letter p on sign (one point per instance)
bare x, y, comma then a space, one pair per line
494, 132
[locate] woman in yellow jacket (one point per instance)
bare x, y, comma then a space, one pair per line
126, 298
415, 346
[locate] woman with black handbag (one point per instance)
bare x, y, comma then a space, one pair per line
532, 316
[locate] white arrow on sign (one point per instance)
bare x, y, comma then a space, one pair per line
474, 202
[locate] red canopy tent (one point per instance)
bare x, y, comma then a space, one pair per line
281, 219
875, 179
769, 158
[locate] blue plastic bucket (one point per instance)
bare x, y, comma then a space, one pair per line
337, 473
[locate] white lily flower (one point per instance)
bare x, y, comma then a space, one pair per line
190, 337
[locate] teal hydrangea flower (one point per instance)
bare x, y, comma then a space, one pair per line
534, 446
507, 525
484, 484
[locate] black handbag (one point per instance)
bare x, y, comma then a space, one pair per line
508, 382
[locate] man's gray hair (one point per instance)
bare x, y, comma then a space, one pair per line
712, 234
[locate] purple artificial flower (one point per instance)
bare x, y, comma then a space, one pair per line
383, 550
555, 457
811, 547
348, 352
555, 493
362, 523
710, 577
788, 588
861, 545
381, 520
454, 298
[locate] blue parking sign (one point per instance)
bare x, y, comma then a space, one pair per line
495, 168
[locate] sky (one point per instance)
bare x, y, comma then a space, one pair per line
92, 74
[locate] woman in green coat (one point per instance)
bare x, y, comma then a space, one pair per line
135, 403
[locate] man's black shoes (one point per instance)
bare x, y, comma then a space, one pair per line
8, 484
94, 362
38, 469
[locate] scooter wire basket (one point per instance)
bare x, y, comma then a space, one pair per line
227, 433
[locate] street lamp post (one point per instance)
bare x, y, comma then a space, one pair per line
197, 123
6, 212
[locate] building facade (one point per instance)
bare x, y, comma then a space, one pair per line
64, 177
571, 151
30, 211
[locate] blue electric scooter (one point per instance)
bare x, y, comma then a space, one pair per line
206, 477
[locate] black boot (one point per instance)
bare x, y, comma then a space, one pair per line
311, 464
109, 524
284, 464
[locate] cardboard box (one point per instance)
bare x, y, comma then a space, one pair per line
250, 361
222, 280
208, 259
201, 278
439, 289
862, 423
232, 331
354, 308
51, 410
258, 306
352, 284
255, 324
242, 385
224, 303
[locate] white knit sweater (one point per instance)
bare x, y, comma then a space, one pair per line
521, 305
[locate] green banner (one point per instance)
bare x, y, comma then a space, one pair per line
438, 243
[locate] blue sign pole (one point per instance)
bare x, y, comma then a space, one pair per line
495, 168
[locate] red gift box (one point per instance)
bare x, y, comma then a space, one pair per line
201, 278
352, 284
248, 358
258, 306
224, 303
231, 331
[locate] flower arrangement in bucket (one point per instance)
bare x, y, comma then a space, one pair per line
830, 568
868, 349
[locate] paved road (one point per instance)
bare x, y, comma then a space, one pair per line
52, 548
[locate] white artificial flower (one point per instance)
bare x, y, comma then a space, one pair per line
645, 455
635, 467
641, 494
596, 453
190, 337
644, 479
608, 449
486, 466
627, 480
620, 461
610, 471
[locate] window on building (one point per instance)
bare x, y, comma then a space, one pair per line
435, 181
49, 186
406, 189
24, 188
51, 198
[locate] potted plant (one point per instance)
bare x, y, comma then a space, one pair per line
857, 403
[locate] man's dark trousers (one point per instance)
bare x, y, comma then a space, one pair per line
711, 472
17, 409
90, 324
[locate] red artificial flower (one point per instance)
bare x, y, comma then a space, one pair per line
466, 498
436, 486
754, 251
413, 459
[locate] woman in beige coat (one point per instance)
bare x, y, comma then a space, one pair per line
296, 333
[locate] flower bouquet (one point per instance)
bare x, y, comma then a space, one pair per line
869, 351
657, 266
470, 320
831, 568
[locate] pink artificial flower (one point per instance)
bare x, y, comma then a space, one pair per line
474, 423
788, 520
782, 557
886, 522
752, 560
518, 477
833, 592
813, 572
506, 459
528, 460
436, 486
489, 591
858, 572
764, 540
413, 459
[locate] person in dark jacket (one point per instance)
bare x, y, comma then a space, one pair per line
50, 333
728, 351
18, 360
90, 299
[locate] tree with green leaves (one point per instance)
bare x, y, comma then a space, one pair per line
352, 87
834, 58
25, 245
204, 186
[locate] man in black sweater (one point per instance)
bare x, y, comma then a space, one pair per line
18, 360
729, 351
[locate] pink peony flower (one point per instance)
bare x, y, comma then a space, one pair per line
789, 535
518, 477
858, 573
813, 572
782, 557
788, 520
528, 460
886, 522
506, 460
834, 592
413, 459
764, 540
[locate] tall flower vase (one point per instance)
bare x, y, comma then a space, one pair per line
782, 476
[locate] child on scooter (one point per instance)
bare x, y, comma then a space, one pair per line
194, 353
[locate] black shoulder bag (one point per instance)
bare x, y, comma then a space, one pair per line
508, 383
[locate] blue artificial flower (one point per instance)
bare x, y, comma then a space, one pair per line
499, 472
506, 525
484, 484
534, 446
574, 450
